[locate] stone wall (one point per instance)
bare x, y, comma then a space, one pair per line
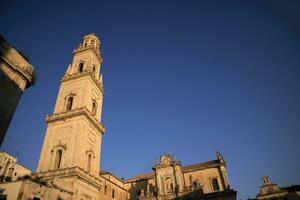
16, 74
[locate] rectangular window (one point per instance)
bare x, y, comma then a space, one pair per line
113, 194
215, 184
105, 189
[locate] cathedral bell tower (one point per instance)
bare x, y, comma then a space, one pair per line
74, 130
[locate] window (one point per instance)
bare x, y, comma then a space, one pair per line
94, 69
69, 103
105, 189
15, 173
94, 108
113, 193
89, 163
36, 198
215, 184
80, 68
57, 161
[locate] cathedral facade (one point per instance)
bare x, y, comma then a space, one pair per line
70, 158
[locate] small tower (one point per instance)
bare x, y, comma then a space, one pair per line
73, 138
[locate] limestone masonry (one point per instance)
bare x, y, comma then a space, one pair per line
71, 153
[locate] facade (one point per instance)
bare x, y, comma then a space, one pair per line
171, 180
270, 190
16, 74
10, 169
71, 152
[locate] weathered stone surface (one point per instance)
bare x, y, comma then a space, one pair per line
16, 74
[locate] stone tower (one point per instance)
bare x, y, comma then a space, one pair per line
71, 149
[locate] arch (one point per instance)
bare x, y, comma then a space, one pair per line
215, 184
105, 190
89, 163
69, 103
169, 184
94, 107
58, 159
89, 159
80, 67
57, 156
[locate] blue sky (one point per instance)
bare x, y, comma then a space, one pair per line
181, 77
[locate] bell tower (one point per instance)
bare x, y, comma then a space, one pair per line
74, 131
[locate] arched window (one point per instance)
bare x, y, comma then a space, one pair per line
69, 103
215, 184
113, 194
94, 69
105, 190
80, 69
94, 108
89, 163
85, 44
57, 161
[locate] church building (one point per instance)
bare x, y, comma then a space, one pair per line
70, 158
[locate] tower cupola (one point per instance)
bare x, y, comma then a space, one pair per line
90, 41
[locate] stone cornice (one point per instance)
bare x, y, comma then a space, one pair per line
16, 61
201, 168
78, 75
114, 182
74, 113
71, 172
165, 166
81, 49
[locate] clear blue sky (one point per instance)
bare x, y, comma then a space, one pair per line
181, 77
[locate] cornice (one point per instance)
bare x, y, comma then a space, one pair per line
106, 179
71, 172
16, 61
21, 71
81, 49
201, 168
74, 113
78, 75
160, 166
